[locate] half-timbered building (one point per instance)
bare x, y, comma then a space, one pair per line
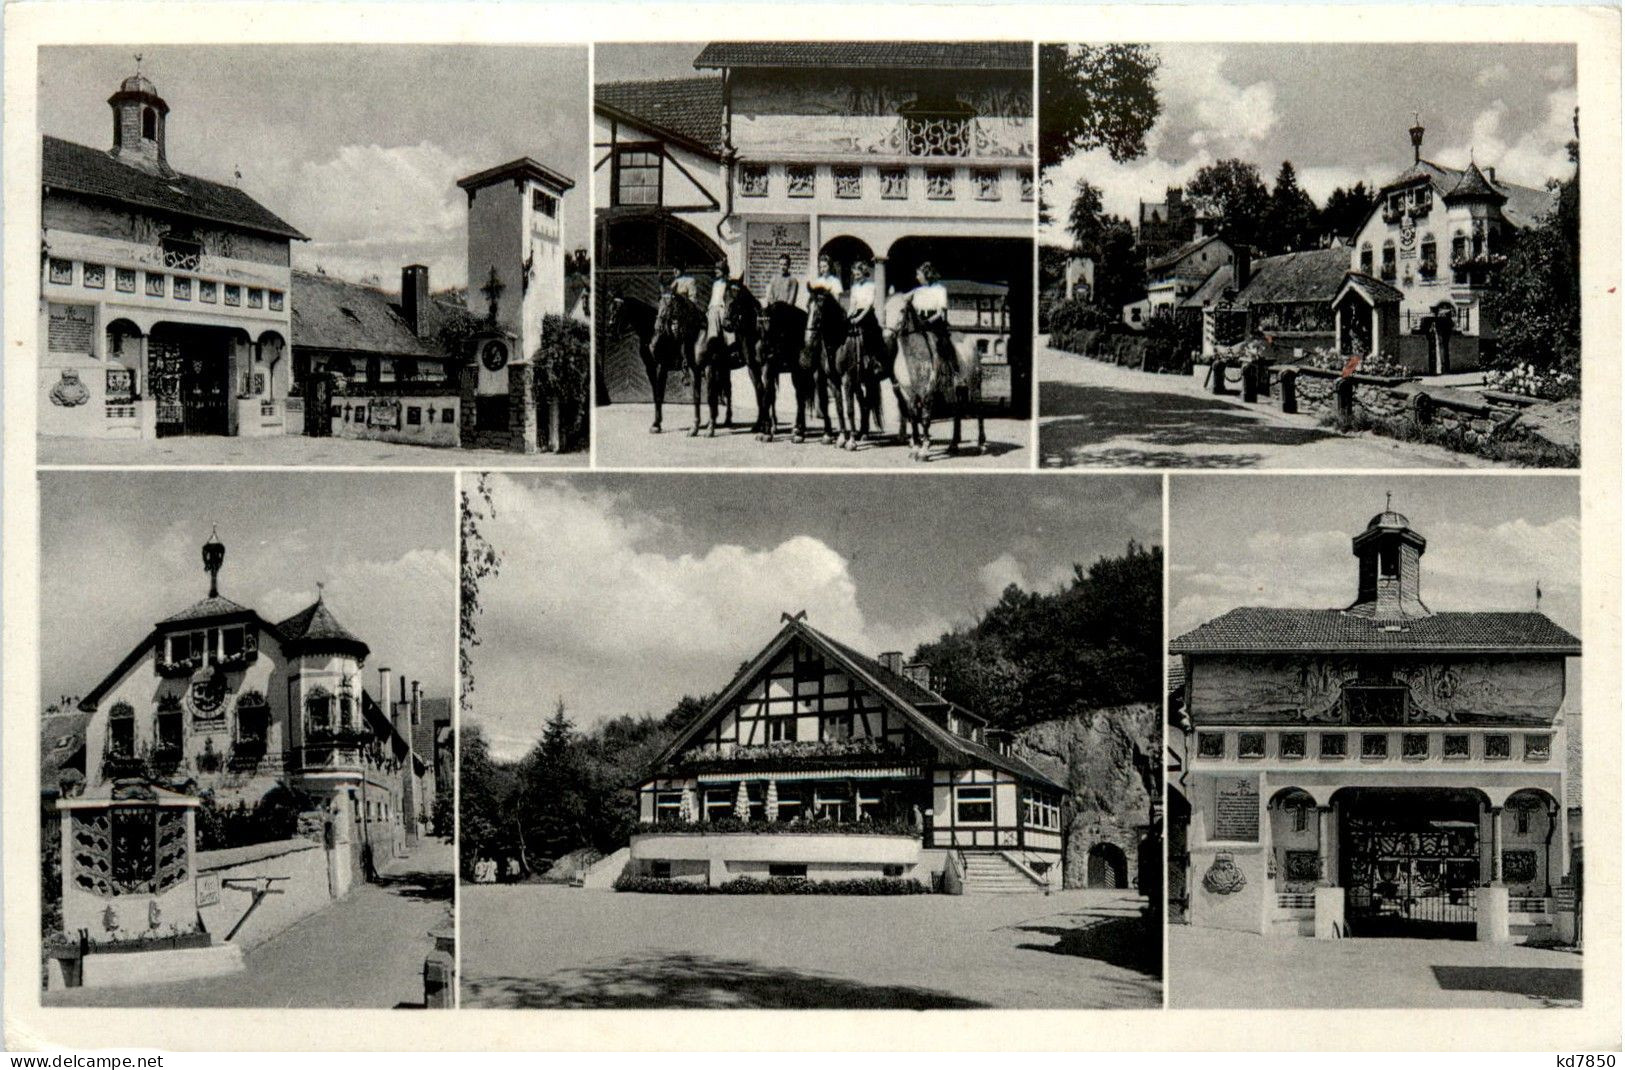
1382, 769
820, 762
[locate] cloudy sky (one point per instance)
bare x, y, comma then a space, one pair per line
1284, 541
1341, 113
357, 146
623, 593
122, 550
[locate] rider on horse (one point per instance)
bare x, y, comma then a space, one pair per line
930, 303
861, 308
827, 281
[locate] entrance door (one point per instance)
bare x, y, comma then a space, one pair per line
1356, 336
318, 403
1407, 875
1108, 866
204, 393
164, 364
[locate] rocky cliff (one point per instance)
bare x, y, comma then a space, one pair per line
1110, 761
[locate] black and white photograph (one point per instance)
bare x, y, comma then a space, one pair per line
715, 756
1374, 743
814, 254
248, 754
313, 255
1309, 255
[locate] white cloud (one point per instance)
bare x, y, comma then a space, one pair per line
1530, 158
1000, 573
1496, 72
1226, 117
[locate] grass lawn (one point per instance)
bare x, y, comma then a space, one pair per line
534, 945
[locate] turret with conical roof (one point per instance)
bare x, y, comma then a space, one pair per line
1473, 186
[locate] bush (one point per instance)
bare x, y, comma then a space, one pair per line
1078, 315
1507, 447
561, 372
275, 817
772, 886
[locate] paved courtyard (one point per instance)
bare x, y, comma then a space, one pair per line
1101, 415
281, 450
535, 945
1204, 966
366, 950
624, 440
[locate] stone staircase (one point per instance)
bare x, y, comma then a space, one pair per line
991, 873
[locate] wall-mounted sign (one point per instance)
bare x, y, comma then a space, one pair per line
386, 413
1235, 810
208, 889
765, 243
120, 386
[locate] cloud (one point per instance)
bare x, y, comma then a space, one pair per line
1496, 72
1207, 110
1529, 158
590, 606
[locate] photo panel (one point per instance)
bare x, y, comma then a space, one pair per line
722, 757
248, 803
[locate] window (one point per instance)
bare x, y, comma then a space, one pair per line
719, 803
274, 297
894, 183
253, 721
1250, 745
1414, 745
121, 731
1373, 745
1300, 817
1520, 819
209, 292
792, 870
544, 203
1388, 562
1210, 744
833, 803
1390, 266
660, 870
149, 124
169, 740
96, 276
319, 711
801, 180
1497, 747
1456, 745
1458, 257
1365, 258
637, 176
1040, 813
939, 183
973, 806
781, 729
1027, 186
1294, 744
838, 727
1429, 267
753, 180
848, 182
1333, 745
987, 185
668, 806
1537, 748
891, 871
448, 416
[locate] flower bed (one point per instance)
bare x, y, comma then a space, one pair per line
777, 828
796, 754
773, 886
1549, 384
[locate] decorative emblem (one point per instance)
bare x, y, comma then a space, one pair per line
1407, 233
208, 695
1222, 877
494, 355
69, 391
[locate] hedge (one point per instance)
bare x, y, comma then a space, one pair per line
773, 886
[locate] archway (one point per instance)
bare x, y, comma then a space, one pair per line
638, 253
1411, 859
844, 252
1295, 839
268, 374
1531, 861
1108, 867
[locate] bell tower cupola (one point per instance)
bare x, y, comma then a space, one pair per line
1390, 556
139, 119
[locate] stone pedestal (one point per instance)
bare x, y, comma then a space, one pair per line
1329, 924
1494, 915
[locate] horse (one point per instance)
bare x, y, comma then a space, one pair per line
935, 375
823, 358
628, 315
869, 363
742, 318
678, 327
779, 352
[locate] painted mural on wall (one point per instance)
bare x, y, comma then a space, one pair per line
1457, 691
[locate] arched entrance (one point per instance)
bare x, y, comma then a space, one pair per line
844, 252
1410, 860
191, 373
1108, 867
638, 253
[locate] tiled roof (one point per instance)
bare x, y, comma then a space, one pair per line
93, 172
1474, 184
216, 606
316, 625
1524, 207
690, 109
1180, 253
1211, 288
1312, 276
1263, 629
1373, 290
890, 55
329, 313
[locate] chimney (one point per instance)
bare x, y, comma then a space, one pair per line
999, 740
417, 704
1489, 173
1242, 267
385, 695
415, 298
918, 673
893, 661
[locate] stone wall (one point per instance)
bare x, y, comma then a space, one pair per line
417, 421
1105, 759
296, 872
520, 434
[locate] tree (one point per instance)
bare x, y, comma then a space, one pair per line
480, 562
1345, 211
1095, 97
1120, 271
1290, 220
487, 789
1087, 220
1233, 191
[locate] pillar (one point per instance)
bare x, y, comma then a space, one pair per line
1495, 846
880, 288
521, 408
1328, 877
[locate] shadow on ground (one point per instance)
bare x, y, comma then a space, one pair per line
1077, 417
429, 886
1551, 986
1127, 943
699, 981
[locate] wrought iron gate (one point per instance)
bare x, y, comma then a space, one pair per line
1410, 877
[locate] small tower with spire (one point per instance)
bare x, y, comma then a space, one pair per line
1390, 578
1417, 130
139, 118
214, 555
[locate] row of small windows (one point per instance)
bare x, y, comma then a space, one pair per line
253, 722
1413, 745
157, 284
847, 182
1462, 249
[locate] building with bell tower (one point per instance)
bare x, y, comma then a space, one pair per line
1383, 769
